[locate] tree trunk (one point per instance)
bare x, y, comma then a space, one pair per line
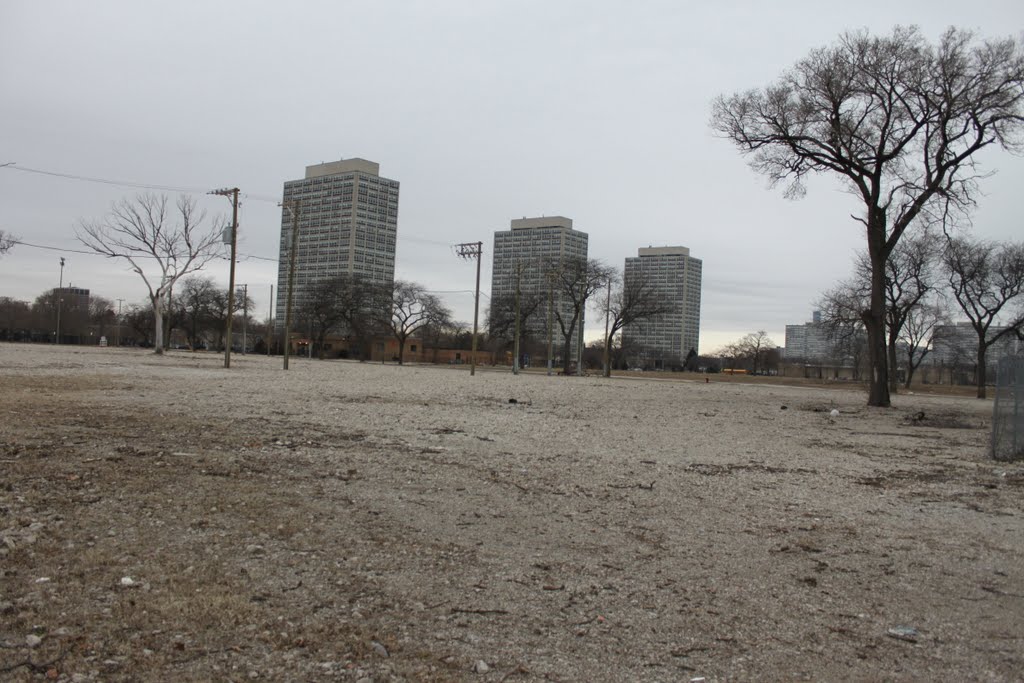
401, 350
567, 353
874, 317
980, 373
894, 379
607, 356
158, 315
910, 371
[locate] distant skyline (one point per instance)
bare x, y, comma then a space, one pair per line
483, 111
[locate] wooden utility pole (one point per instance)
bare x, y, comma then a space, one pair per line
233, 193
294, 208
473, 250
607, 341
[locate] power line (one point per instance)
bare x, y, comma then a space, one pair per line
183, 189
93, 253
104, 181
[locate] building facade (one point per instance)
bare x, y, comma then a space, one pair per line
666, 341
524, 253
957, 344
347, 224
808, 342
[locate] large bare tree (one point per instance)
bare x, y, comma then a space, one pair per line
633, 301
575, 280
897, 119
159, 246
410, 310
986, 278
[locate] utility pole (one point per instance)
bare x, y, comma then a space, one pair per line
607, 341
515, 344
270, 319
118, 342
579, 341
294, 208
233, 193
475, 250
60, 300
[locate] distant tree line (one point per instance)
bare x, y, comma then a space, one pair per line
932, 279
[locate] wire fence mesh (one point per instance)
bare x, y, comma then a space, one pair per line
1008, 412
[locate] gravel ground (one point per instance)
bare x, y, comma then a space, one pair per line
162, 518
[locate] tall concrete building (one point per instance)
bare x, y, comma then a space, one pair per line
348, 222
524, 251
808, 342
666, 341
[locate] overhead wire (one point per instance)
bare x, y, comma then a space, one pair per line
183, 189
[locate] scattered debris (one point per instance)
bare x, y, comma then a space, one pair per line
907, 633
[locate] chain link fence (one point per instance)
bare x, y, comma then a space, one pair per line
1008, 413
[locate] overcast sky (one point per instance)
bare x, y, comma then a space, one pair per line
483, 111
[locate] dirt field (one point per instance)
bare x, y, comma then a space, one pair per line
165, 519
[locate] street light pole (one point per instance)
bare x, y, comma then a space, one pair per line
294, 208
60, 300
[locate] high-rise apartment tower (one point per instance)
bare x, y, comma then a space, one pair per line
348, 221
526, 252
666, 341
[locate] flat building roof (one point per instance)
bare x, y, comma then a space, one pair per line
343, 166
663, 251
542, 222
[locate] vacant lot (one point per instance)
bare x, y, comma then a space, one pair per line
163, 518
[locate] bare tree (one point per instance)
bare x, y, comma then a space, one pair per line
15, 319
140, 320
158, 247
916, 334
323, 307
411, 309
101, 314
899, 121
985, 278
749, 350
7, 242
633, 301
575, 280
501, 315
841, 320
197, 298
909, 277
